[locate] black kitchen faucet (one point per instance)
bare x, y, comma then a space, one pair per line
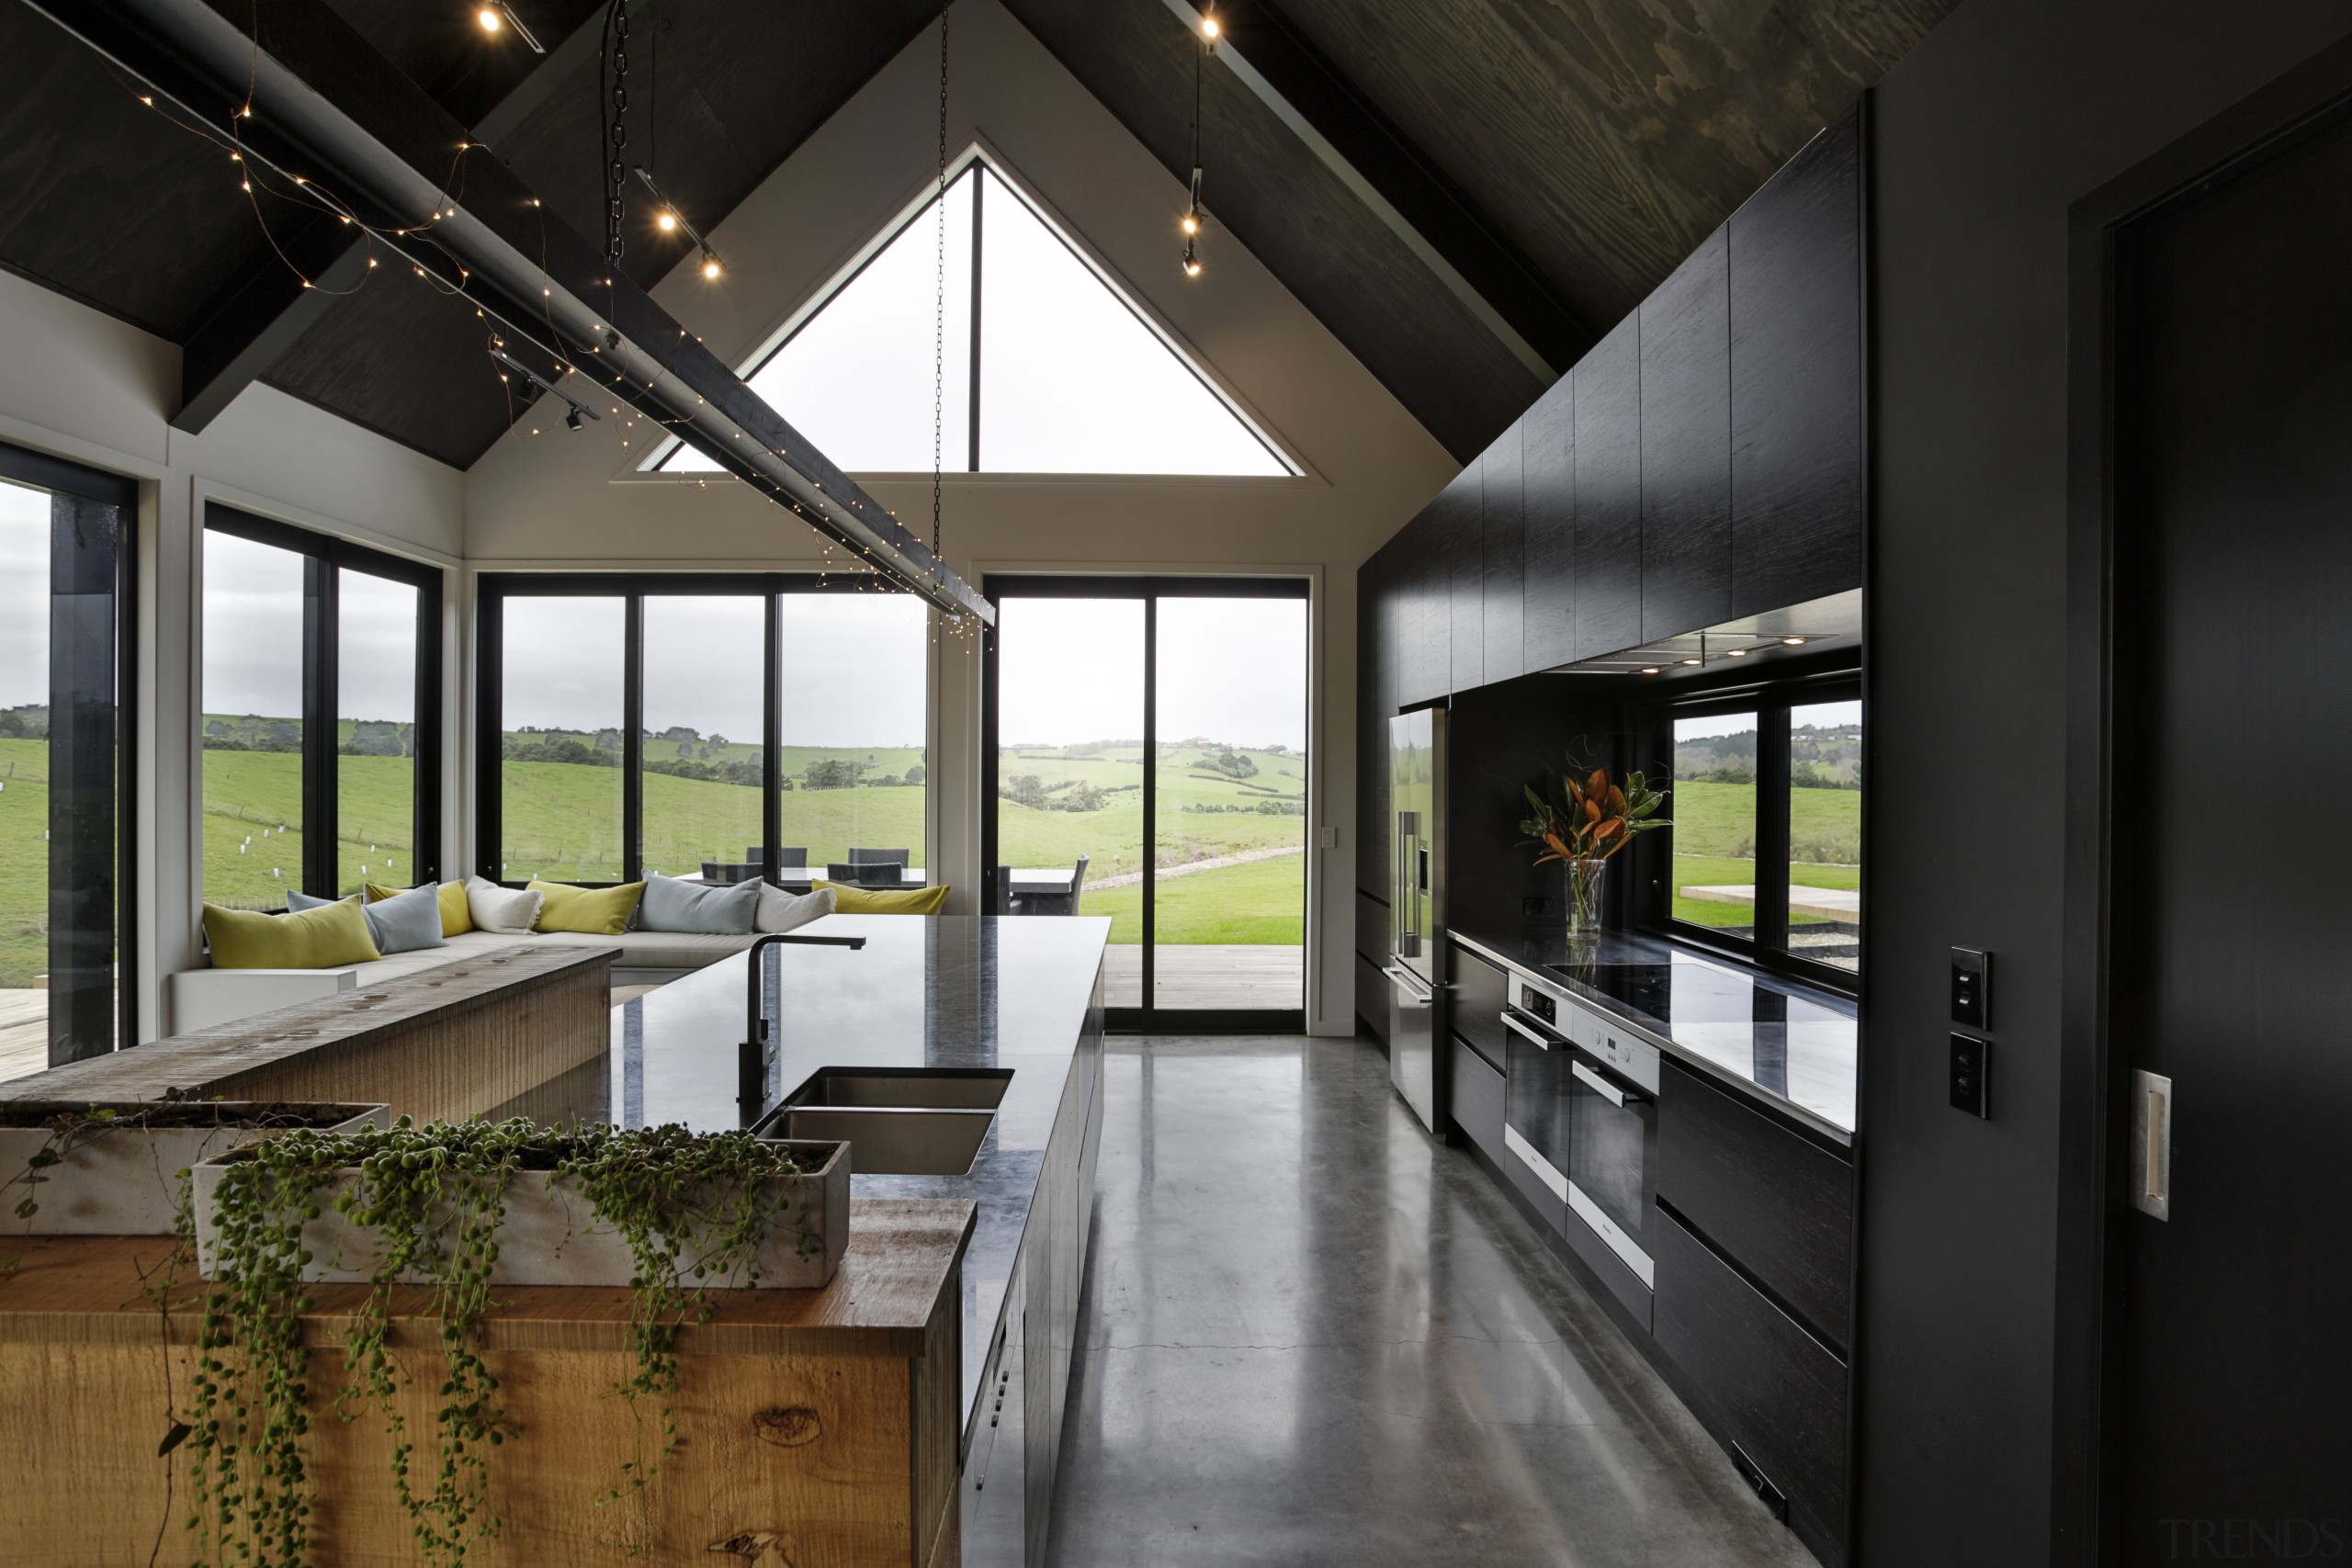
751, 1054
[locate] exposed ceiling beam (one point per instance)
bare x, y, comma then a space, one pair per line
329, 109
258, 317
1393, 181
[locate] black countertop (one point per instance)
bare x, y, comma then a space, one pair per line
939, 991
1792, 1045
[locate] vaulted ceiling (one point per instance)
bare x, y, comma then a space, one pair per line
1481, 186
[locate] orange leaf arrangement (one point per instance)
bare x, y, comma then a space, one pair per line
1590, 817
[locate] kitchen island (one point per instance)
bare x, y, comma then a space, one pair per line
956, 992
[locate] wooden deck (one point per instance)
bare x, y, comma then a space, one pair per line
1255, 977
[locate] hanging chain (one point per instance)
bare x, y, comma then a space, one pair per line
939, 304
616, 133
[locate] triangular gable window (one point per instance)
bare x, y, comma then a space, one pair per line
1072, 379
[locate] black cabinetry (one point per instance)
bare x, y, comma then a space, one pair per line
1501, 598
1796, 378
1686, 445
1457, 514
1548, 527
1778, 1203
1608, 613
1771, 1390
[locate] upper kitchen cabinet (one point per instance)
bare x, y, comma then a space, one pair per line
1375, 699
1796, 378
1548, 527
1686, 445
1422, 584
1458, 510
1608, 613
1500, 595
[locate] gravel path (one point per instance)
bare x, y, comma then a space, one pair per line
1129, 879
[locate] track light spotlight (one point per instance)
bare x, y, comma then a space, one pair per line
710, 267
571, 419
497, 14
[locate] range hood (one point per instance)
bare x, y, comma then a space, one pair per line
1815, 626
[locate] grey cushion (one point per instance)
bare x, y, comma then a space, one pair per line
670, 905
406, 922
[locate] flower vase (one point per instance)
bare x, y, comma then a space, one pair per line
1585, 879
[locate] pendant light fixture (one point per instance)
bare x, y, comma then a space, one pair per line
1192, 222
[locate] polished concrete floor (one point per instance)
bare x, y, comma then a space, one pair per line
1312, 1334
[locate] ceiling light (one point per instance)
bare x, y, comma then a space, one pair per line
571, 419
710, 267
498, 14
1192, 261
1209, 25
1192, 223
1793, 641
1739, 653
1694, 661
1649, 669
666, 221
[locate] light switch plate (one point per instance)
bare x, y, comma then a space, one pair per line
1328, 837
1972, 987
1972, 1076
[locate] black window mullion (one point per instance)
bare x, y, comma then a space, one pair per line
490, 739
425, 744
772, 738
1150, 808
633, 737
979, 187
1773, 827
320, 837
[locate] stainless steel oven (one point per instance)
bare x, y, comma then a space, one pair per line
1535, 1080
1612, 1111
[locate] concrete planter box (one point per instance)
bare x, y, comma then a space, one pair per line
549, 1234
125, 1179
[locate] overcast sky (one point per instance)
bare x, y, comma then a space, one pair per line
1070, 671
852, 666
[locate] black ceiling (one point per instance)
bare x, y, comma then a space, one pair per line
1584, 146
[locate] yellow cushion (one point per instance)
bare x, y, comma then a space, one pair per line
315, 939
456, 916
592, 911
848, 900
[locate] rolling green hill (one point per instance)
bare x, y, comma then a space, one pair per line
1714, 844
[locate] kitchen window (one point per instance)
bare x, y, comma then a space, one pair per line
1764, 858
321, 714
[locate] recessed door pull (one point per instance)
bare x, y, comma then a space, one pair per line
2152, 1145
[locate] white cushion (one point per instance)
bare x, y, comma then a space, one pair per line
782, 911
503, 911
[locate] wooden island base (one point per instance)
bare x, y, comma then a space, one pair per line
816, 1427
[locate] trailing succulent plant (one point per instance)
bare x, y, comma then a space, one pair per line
433, 1196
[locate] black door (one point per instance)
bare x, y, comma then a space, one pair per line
2231, 667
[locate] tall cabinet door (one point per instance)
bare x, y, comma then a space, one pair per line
1458, 509
1425, 651
1796, 378
1686, 445
1373, 686
1500, 597
1608, 613
1547, 435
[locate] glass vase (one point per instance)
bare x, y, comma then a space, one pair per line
1585, 879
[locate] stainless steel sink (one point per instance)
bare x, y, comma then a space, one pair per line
897, 1120
933, 1089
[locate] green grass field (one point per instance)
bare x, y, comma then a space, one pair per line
1714, 845
562, 820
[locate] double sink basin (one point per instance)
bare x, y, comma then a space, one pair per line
897, 1120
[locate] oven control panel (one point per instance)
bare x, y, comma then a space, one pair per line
1633, 1058
1539, 1005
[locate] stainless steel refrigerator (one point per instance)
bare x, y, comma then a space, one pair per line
1416, 908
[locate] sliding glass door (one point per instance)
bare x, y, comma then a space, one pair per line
1147, 748
66, 557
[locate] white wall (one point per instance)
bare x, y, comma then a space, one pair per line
79, 384
573, 500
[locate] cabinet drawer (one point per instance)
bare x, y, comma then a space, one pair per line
1760, 1380
1476, 1010
1478, 1103
1372, 998
1765, 1194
